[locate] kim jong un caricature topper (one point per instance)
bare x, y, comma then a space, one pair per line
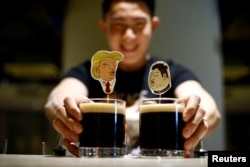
159, 80
103, 68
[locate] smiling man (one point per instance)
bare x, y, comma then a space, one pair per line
129, 26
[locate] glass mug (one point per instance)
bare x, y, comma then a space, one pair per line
103, 128
161, 127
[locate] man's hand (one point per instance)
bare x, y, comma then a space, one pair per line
196, 125
67, 122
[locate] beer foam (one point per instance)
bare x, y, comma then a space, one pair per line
149, 108
102, 108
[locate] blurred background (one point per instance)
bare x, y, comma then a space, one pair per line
41, 39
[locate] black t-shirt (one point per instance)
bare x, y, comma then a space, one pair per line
130, 85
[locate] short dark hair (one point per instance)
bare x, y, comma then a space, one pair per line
106, 4
162, 68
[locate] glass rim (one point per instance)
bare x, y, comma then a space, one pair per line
160, 98
107, 99
164, 100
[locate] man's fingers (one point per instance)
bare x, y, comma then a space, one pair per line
191, 142
65, 131
72, 124
71, 147
192, 124
72, 108
192, 104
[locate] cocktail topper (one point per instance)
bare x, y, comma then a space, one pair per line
103, 68
159, 79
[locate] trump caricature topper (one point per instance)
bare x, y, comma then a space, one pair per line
103, 68
159, 79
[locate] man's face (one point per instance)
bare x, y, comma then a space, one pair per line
158, 81
107, 69
129, 27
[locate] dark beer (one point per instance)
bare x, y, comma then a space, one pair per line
161, 126
103, 125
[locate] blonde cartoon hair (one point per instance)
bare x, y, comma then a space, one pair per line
99, 56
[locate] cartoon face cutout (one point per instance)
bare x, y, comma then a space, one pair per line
103, 68
159, 80
107, 68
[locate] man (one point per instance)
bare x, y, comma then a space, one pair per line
128, 26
